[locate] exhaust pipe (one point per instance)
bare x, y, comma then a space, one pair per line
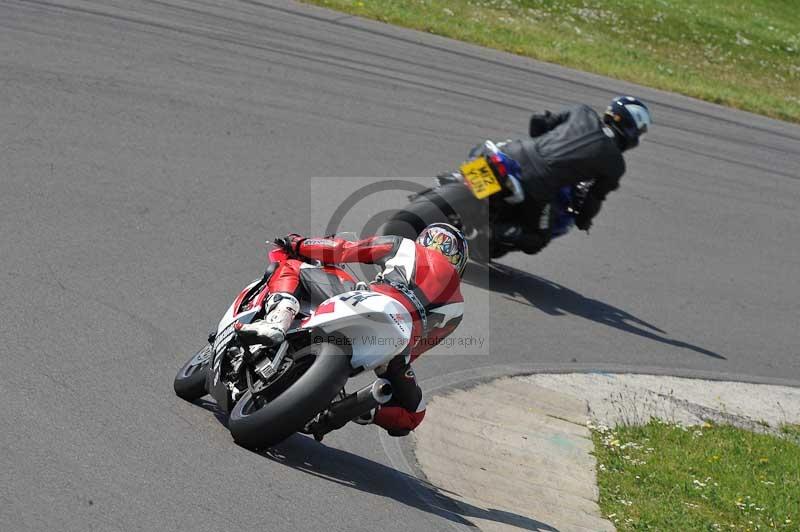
357, 404
381, 391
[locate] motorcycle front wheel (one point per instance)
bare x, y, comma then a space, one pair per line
190, 382
316, 376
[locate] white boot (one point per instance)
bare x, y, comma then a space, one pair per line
281, 309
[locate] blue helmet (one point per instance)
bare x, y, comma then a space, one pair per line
629, 118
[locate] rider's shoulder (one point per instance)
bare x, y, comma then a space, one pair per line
439, 264
583, 111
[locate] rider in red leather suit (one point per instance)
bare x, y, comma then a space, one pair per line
424, 276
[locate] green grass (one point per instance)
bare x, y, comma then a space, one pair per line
744, 54
791, 431
716, 477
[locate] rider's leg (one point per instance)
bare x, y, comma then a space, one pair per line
286, 277
404, 412
280, 308
531, 234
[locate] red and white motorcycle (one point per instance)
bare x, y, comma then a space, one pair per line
342, 330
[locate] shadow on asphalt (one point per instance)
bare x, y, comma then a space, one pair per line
347, 469
209, 404
351, 470
557, 300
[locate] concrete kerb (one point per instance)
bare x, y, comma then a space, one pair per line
568, 498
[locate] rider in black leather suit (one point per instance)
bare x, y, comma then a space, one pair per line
573, 145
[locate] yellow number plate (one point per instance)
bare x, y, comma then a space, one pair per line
480, 178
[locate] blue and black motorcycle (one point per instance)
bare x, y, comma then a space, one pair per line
484, 193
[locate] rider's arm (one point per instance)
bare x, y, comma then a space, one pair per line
542, 123
394, 254
601, 187
596, 194
374, 250
607, 171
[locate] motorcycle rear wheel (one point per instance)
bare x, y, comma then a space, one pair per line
438, 206
435, 206
190, 382
261, 421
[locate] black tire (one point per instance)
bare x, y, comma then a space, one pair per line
256, 425
190, 382
410, 222
453, 204
436, 206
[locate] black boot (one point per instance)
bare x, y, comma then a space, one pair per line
515, 235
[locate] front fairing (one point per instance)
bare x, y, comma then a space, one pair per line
239, 312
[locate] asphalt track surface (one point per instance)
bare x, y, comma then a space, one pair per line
148, 148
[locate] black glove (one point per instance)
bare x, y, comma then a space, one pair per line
540, 124
589, 209
290, 244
